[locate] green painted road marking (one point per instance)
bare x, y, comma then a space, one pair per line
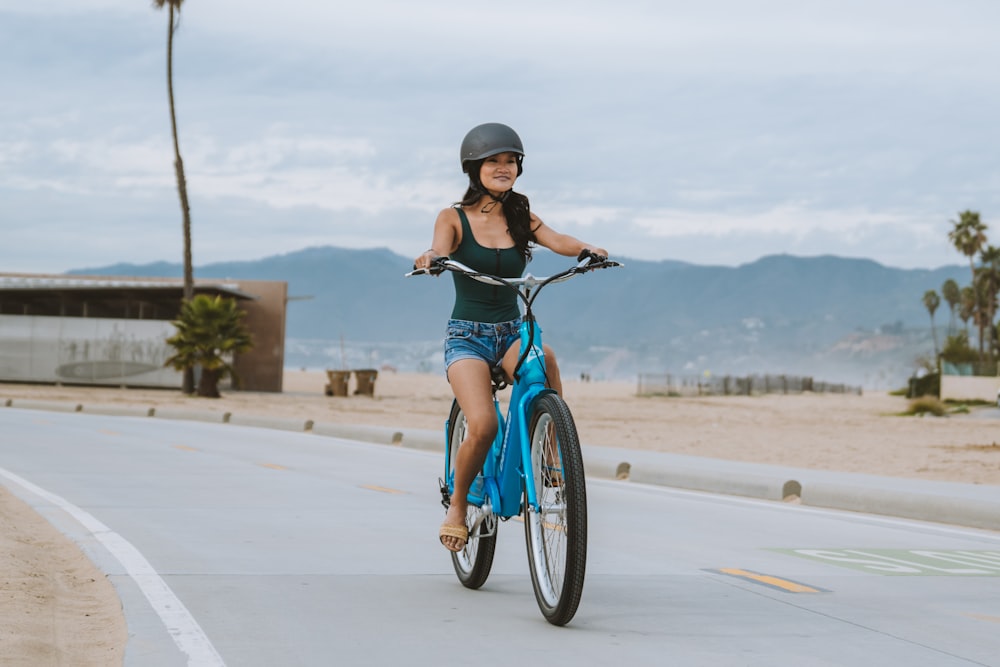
908, 562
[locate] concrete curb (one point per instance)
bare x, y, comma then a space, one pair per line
186, 414
943, 502
50, 406
402, 437
112, 410
264, 421
954, 503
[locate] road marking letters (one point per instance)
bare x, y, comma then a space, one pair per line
908, 562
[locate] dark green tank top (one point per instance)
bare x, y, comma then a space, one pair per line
476, 301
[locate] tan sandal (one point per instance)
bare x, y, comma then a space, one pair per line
458, 532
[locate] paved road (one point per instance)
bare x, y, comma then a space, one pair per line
259, 547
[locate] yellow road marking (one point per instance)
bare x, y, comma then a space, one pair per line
272, 466
107, 432
768, 580
382, 489
985, 617
184, 447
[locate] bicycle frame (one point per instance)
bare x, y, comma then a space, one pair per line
500, 485
503, 475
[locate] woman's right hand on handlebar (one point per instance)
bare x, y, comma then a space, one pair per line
595, 254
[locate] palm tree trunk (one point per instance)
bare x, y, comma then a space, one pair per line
208, 385
188, 382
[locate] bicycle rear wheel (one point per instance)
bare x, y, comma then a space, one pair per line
473, 563
556, 534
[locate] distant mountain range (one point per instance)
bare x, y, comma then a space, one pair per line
837, 319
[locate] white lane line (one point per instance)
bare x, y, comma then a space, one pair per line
185, 631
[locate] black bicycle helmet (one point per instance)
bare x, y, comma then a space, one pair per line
489, 139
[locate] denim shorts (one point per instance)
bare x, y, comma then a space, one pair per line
479, 340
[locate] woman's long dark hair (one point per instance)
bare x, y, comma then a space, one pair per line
516, 210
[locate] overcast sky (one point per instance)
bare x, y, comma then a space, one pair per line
714, 132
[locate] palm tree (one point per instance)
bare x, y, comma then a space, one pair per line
953, 296
931, 303
210, 331
967, 307
175, 8
968, 235
975, 299
988, 279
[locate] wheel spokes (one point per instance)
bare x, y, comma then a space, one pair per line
549, 521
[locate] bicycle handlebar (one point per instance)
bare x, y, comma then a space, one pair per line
526, 287
587, 261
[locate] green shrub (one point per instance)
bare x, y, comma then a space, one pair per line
925, 404
958, 351
966, 402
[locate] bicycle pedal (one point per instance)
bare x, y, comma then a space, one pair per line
445, 496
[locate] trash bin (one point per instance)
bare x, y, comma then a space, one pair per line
366, 381
338, 383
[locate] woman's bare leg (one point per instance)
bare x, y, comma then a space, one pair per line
513, 353
554, 381
471, 383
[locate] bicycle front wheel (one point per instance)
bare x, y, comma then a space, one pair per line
473, 563
556, 533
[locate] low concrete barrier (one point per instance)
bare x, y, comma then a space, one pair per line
644, 468
942, 502
262, 421
52, 406
187, 414
973, 505
412, 438
119, 410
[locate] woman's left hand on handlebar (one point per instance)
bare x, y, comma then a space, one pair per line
601, 252
425, 260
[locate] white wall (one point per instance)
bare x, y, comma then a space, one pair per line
77, 350
969, 387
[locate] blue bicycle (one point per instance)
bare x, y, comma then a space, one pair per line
534, 467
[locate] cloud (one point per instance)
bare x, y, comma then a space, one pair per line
705, 131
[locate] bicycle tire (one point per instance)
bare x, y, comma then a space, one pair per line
473, 563
556, 537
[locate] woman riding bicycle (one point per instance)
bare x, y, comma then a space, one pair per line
491, 230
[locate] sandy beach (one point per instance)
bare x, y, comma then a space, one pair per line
59, 609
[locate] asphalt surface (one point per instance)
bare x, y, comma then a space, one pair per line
945, 502
265, 546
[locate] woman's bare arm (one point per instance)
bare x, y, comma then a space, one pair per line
561, 244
